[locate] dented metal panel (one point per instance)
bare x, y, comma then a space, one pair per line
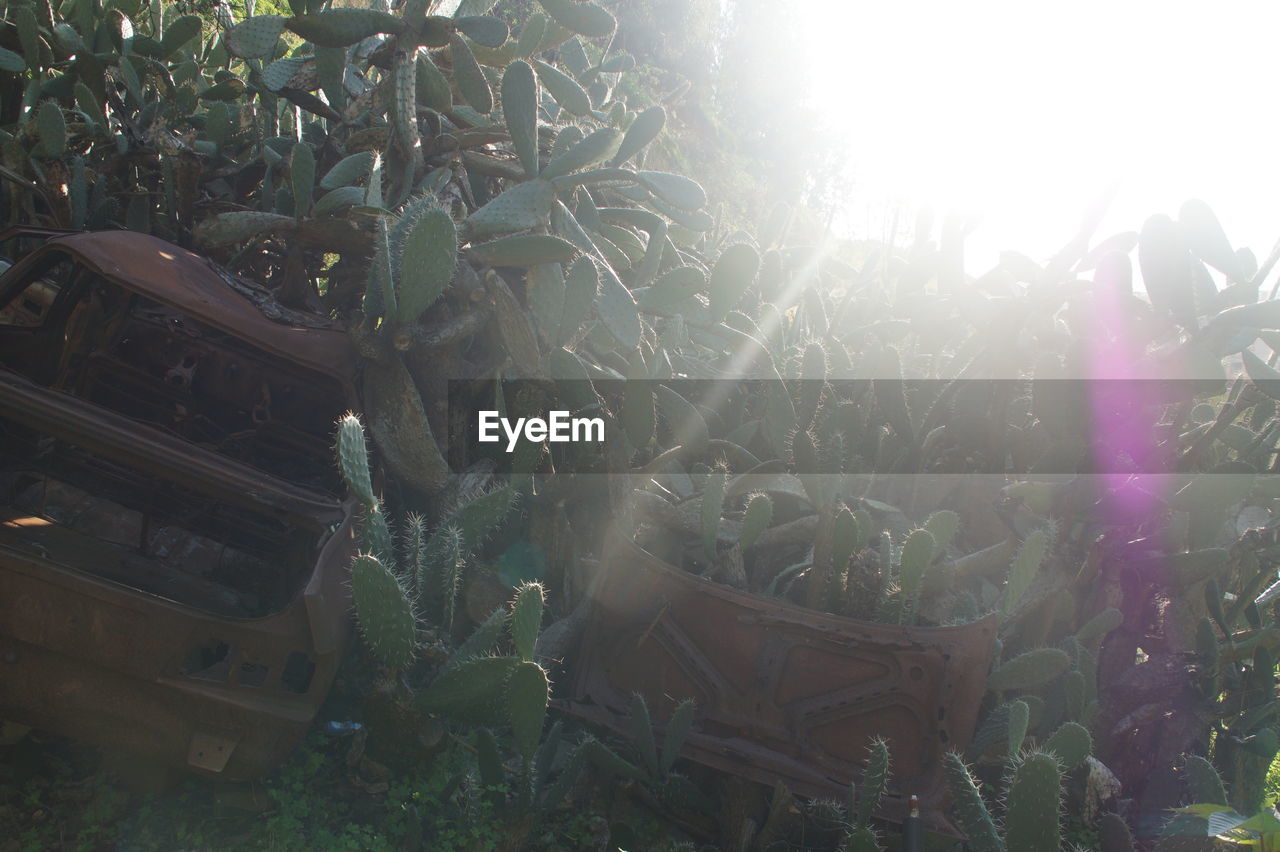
782, 693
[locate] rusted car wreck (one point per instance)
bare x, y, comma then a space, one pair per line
173, 542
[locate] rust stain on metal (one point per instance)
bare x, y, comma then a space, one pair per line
782, 693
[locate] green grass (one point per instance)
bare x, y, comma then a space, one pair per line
314, 802
67, 798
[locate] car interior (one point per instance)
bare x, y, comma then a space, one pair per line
65, 327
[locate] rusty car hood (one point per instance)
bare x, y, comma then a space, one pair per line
197, 286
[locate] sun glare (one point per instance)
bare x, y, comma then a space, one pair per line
1026, 113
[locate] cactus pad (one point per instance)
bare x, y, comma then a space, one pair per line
594, 148
643, 130
254, 38
526, 618
474, 691
971, 811
1204, 784
527, 693
383, 611
1071, 743
353, 459
427, 260
341, 27
733, 273
1025, 565
520, 108
469, 76
571, 97
584, 18
755, 519
1030, 669
1032, 805
525, 205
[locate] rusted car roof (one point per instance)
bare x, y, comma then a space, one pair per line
197, 286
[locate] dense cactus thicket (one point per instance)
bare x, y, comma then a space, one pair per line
477, 201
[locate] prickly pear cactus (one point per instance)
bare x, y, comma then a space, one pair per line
1071, 744
498, 690
526, 618
1033, 804
874, 782
353, 460
969, 807
383, 611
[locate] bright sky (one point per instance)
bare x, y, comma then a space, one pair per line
1026, 111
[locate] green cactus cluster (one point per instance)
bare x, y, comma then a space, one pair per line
1031, 816
510, 689
392, 587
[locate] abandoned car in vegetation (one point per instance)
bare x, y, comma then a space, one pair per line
173, 544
